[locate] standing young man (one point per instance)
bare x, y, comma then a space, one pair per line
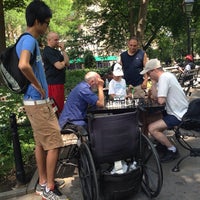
36, 102
133, 61
55, 63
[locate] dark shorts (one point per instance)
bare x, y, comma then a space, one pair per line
170, 120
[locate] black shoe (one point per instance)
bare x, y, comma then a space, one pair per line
169, 156
161, 148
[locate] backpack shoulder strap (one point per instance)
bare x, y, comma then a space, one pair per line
34, 53
26, 33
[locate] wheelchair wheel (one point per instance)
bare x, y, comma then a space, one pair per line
152, 178
87, 174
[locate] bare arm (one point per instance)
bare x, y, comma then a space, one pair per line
154, 94
112, 96
65, 62
161, 100
100, 101
144, 84
27, 70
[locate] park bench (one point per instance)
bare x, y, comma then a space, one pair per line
189, 80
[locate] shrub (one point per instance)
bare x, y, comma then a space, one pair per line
12, 103
73, 77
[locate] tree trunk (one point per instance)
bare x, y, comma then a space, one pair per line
2, 32
131, 18
2, 25
142, 19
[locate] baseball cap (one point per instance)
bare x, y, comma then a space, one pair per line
189, 57
150, 65
117, 70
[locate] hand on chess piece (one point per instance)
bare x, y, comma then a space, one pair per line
130, 91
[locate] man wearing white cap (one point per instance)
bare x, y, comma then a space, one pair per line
117, 86
166, 90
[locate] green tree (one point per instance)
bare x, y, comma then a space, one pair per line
110, 22
106, 24
6, 5
89, 60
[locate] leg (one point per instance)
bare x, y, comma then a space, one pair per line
40, 156
51, 160
147, 118
156, 130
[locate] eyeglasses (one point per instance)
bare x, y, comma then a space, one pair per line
47, 23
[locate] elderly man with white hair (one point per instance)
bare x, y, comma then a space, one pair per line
165, 90
82, 96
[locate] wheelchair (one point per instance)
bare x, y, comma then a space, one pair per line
110, 141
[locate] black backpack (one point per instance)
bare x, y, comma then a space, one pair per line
191, 119
12, 75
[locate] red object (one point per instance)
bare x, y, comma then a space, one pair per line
57, 93
189, 57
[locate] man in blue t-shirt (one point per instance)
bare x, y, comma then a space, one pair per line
46, 130
82, 96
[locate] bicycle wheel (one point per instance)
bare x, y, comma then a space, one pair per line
152, 178
87, 174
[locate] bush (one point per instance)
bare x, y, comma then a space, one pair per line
73, 77
12, 103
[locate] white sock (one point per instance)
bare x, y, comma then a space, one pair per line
172, 148
44, 184
47, 189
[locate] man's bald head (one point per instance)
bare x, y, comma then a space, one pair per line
51, 35
53, 39
91, 75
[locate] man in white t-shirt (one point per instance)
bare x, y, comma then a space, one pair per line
166, 90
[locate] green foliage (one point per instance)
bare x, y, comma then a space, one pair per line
62, 18
15, 27
89, 60
14, 4
12, 103
73, 77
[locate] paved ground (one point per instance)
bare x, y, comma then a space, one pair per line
183, 185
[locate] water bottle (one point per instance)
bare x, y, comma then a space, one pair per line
107, 83
133, 166
132, 91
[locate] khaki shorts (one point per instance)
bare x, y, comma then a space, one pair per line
45, 126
